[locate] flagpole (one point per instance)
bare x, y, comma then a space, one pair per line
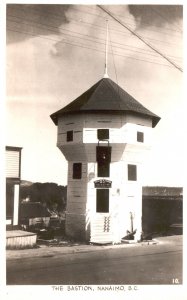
106, 52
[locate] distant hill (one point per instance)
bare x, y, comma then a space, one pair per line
48, 193
162, 191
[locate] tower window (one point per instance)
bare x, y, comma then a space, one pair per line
77, 171
103, 134
69, 136
103, 161
102, 201
132, 172
103, 170
140, 137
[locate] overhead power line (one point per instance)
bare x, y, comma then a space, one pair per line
80, 22
99, 16
85, 47
145, 51
140, 38
120, 32
83, 36
143, 22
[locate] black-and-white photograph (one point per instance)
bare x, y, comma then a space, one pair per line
94, 146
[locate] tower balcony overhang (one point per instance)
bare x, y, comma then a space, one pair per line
87, 152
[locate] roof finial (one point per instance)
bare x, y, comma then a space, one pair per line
106, 51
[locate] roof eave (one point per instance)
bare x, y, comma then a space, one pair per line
155, 121
54, 118
56, 115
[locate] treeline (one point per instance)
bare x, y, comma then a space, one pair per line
52, 195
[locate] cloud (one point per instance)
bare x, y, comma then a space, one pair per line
45, 72
29, 18
147, 15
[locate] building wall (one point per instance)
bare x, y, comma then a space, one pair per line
123, 128
12, 163
125, 197
13, 174
76, 204
87, 152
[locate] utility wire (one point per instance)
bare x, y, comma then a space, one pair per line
148, 23
47, 25
58, 17
99, 16
120, 32
140, 38
74, 36
86, 47
84, 35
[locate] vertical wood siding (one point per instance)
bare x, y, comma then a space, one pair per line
18, 242
123, 129
125, 197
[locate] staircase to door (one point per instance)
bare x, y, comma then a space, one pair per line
101, 229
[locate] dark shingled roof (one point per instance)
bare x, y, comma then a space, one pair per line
105, 96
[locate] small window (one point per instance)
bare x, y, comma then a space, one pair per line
140, 137
69, 136
77, 171
103, 161
103, 134
103, 170
102, 201
132, 172
103, 154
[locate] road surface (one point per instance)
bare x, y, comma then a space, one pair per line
134, 265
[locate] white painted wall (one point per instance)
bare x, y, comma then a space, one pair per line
12, 163
16, 204
125, 134
123, 128
125, 196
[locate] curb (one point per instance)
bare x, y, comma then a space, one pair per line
45, 251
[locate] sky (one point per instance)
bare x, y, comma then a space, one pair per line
56, 52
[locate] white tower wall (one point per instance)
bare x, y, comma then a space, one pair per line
125, 196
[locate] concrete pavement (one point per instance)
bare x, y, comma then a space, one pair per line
47, 251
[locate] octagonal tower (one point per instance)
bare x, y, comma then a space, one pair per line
104, 135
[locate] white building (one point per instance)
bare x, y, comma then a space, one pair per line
13, 178
104, 135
